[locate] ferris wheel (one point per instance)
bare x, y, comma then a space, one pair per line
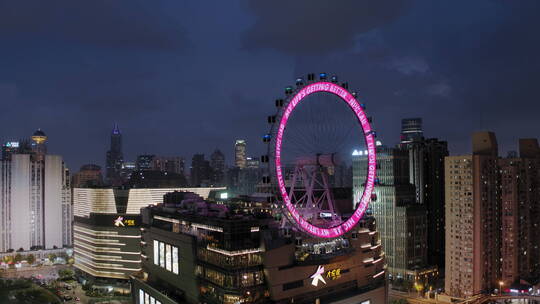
317, 126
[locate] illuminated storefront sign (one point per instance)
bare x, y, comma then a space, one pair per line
317, 276
321, 274
121, 222
333, 274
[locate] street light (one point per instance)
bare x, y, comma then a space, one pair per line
501, 283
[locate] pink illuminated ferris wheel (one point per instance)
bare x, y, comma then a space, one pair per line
317, 126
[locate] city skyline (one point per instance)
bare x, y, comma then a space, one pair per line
144, 77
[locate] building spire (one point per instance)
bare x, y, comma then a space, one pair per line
116, 130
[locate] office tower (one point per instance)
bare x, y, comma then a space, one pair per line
156, 179
200, 171
473, 219
520, 194
107, 231
115, 158
217, 164
172, 164
144, 162
35, 200
411, 130
88, 176
240, 153
400, 219
426, 173
199, 251
127, 169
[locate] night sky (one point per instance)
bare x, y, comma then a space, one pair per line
182, 77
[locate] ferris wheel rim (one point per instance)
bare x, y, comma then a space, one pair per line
276, 146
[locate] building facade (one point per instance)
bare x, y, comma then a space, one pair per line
198, 251
240, 156
520, 194
217, 165
473, 218
108, 245
35, 201
107, 228
88, 176
401, 221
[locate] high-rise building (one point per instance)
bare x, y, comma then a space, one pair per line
426, 173
400, 219
145, 162
88, 176
520, 194
473, 219
240, 157
411, 130
217, 164
200, 171
127, 170
172, 164
35, 200
115, 158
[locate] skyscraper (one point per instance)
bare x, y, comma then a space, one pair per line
217, 164
35, 200
400, 219
171, 164
240, 157
200, 171
115, 158
520, 194
145, 162
473, 219
426, 173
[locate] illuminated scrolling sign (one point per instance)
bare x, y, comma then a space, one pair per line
369, 138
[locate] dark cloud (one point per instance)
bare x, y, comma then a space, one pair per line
316, 26
133, 23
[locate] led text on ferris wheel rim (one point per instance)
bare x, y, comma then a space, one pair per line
370, 142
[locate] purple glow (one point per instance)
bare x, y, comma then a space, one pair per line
370, 142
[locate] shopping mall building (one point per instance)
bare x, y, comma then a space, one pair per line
197, 251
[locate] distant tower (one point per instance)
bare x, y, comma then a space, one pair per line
240, 153
39, 148
115, 158
217, 164
200, 171
411, 130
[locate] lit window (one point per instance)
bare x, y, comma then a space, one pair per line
156, 252
162, 254
175, 259
168, 257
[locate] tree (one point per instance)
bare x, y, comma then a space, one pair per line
52, 257
66, 273
31, 259
18, 257
8, 259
